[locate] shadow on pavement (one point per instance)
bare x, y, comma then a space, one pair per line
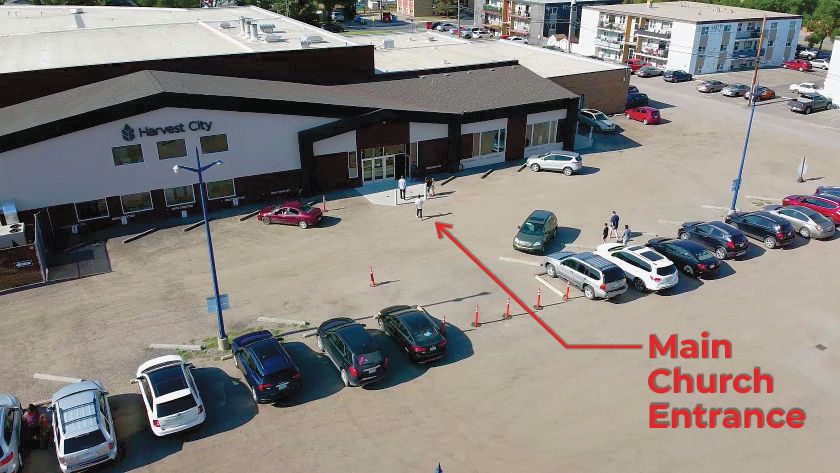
328, 221
227, 400
587, 170
685, 284
457, 299
798, 242
753, 251
320, 378
659, 105
608, 143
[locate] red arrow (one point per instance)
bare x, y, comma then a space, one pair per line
443, 230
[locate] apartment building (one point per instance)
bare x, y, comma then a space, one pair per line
534, 20
696, 37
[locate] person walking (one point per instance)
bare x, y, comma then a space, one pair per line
402, 184
418, 203
432, 185
606, 231
625, 237
428, 186
614, 225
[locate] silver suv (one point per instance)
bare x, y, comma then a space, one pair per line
594, 275
83, 428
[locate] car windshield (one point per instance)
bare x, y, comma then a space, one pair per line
166, 409
613, 274
305, 208
372, 358
819, 219
600, 116
83, 442
666, 270
532, 228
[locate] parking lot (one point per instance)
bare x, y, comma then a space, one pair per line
507, 396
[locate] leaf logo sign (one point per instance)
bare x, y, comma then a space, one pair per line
128, 133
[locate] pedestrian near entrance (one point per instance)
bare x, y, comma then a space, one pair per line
614, 225
625, 237
432, 186
606, 231
428, 186
418, 202
401, 184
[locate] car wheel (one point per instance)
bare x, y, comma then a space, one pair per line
804, 232
535, 167
685, 236
254, 395
807, 110
639, 285
550, 270
721, 253
770, 242
345, 379
266, 220
689, 271
644, 122
567, 171
589, 292
302, 224
319, 343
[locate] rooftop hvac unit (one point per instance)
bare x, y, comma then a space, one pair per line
273, 38
304, 43
267, 27
225, 26
388, 44
76, 11
312, 38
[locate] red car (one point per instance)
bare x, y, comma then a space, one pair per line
800, 65
646, 115
826, 205
291, 213
635, 63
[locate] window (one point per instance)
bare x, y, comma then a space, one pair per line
7, 426
701, 50
394, 149
136, 202
171, 149
214, 144
352, 165
220, 189
773, 25
179, 195
131, 154
541, 133
591, 273
723, 47
720, 66
372, 152
789, 43
727, 28
103, 408
704, 31
488, 142
92, 209
770, 43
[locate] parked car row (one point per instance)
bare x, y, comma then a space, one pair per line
637, 108
698, 250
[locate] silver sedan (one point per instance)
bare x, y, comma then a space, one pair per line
710, 86
807, 222
735, 90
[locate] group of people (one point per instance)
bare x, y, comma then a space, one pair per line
36, 430
402, 184
611, 230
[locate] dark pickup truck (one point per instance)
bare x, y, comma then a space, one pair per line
806, 103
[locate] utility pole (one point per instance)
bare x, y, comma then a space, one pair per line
459, 17
572, 21
736, 184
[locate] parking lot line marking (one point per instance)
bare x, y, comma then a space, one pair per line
761, 197
670, 222
547, 284
62, 379
520, 261
582, 247
300, 323
714, 207
168, 346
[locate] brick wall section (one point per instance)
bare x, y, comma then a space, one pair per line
432, 153
10, 276
603, 90
386, 134
515, 146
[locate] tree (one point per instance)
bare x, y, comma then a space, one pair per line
445, 7
825, 21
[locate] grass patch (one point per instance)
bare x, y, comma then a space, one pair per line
211, 347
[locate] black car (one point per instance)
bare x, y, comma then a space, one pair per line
632, 89
828, 190
725, 240
690, 256
352, 350
414, 331
333, 27
637, 99
434, 25
266, 365
676, 76
772, 230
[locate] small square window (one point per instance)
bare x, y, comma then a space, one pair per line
220, 189
214, 144
92, 209
171, 149
136, 202
131, 154
179, 196
353, 167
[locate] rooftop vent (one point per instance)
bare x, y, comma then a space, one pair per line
225, 26
267, 27
388, 44
76, 11
273, 38
312, 38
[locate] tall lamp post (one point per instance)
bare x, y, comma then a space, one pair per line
199, 169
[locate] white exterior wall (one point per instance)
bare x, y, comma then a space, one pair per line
832, 80
335, 144
682, 47
79, 166
588, 27
427, 131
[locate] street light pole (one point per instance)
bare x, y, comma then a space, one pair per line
736, 185
199, 169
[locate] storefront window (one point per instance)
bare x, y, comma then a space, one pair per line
541, 133
131, 154
171, 149
220, 189
214, 144
136, 202
394, 149
92, 209
372, 152
179, 195
488, 142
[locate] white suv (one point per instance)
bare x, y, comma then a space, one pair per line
83, 428
644, 267
559, 160
170, 395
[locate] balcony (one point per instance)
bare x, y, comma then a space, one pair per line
491, 8
747, 34
492, 13
521, 16
653, 52
612, 26
654, 34
608, 44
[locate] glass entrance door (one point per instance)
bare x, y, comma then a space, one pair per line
379, 168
